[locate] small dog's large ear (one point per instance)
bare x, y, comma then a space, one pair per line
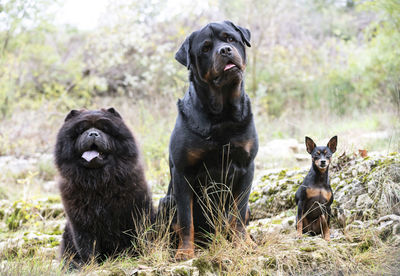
310, 145
183, 54
114, 112
332, 144
244, 33
72, 114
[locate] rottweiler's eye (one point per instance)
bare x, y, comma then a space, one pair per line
230, 39
205, 48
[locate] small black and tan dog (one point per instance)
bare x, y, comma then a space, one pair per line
314, 197
214, 139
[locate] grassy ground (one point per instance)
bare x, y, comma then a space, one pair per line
352, 252
27, 173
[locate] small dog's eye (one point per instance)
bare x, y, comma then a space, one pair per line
230, 39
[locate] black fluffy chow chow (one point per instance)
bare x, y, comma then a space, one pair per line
103, 188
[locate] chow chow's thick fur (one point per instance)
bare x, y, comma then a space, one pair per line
102, 185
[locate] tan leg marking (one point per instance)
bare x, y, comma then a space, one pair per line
186, 242
325, 228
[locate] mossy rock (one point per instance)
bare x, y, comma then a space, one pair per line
22, 212
366, 187
274, 192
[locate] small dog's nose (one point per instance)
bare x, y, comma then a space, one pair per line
323, 162
225, 51
93, 134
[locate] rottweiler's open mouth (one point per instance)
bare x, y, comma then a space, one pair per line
229, 66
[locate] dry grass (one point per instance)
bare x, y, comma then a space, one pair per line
28, 132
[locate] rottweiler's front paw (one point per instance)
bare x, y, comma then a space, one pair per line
249, 242
184, 254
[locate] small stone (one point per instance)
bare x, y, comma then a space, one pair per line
364, 202
396, 229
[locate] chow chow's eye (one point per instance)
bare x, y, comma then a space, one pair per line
230, 39
80, 129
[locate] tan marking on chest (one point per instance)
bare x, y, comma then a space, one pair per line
194, 155
312, 192
246, 145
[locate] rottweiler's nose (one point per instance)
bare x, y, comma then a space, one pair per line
323, 163
93, 133
225, 51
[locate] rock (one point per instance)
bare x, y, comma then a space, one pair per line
102, 272
21, 212
184, 269
281, 148
364, 202
274, 192
364, 188
396, 229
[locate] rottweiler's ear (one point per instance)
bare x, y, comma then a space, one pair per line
72, 114
114, 112
183, 54
310, 145
332, 144
244, 33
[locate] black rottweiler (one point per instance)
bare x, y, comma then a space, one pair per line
214, 141
314, 197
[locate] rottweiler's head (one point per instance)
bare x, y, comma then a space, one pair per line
216, 54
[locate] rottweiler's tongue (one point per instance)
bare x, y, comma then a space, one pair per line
90, 155
229, 66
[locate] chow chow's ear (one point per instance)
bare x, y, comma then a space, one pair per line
332, 144
244, 33
114, 112
72, 114
183, 54
310, 145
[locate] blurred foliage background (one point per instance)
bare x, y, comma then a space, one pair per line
316, 67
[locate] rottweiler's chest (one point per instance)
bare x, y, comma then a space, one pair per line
215, 155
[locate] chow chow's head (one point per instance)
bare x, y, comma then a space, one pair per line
94, 140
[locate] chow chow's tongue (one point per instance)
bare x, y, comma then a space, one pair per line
229, 66
89, 155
